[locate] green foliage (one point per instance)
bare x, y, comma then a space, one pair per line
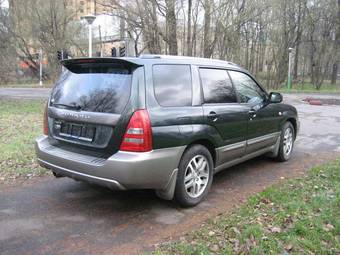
301, 216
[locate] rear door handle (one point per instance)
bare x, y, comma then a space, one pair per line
213, 116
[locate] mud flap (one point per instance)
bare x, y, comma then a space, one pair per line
169, 191
275, 150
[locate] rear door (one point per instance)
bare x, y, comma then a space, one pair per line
91, 103
222, 111
263, 122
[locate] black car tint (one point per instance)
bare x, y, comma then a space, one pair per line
172, 84
95, 89
217, 87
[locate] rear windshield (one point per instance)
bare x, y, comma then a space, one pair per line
95, 88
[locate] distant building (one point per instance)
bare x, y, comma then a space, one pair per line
86, 7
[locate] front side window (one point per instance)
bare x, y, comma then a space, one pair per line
172, 85
217, 87
246, 88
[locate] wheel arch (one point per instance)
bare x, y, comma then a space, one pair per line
206, 143
294, 123
168, 192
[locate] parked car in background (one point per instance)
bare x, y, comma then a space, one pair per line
160, 122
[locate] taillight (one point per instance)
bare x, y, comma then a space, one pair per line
138, 136
45, 127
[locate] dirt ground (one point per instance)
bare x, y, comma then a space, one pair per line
61, 216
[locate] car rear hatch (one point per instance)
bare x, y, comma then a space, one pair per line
91, 103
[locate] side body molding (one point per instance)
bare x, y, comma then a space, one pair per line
232, 154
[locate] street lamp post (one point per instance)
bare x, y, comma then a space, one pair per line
90, 19
289, 78
40, 66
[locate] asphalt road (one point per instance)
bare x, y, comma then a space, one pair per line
26, 93
61, 216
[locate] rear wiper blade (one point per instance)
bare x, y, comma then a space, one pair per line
76, 107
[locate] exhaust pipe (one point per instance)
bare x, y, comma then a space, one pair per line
57, 175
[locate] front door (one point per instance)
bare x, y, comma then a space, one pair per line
222, 111
263, 120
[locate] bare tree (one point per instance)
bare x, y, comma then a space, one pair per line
336, 48
207, 52
48, 25
7, 50
255, 34
320, 24
189, 44
171, 25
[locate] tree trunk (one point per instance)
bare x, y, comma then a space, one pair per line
334, 73
297, 42
122, 29
189, 45
193, 40
206, 37
336, 49
172, 27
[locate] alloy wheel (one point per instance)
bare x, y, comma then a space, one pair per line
288, 141
196, 176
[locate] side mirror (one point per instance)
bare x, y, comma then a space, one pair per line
275, 97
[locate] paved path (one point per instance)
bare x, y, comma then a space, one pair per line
27, 93
61, 216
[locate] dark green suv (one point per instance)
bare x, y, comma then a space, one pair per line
160, 122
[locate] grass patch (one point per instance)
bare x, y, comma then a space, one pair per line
301, 216
20, 124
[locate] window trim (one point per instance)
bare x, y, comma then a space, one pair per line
253, 79
153, 84
201, 84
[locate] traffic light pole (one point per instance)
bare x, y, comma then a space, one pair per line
289, 76
90, 40
62, 58
40, 67
126, 48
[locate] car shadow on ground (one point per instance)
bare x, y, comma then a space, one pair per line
85, 196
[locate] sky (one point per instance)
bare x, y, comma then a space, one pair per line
4, 3
109, 26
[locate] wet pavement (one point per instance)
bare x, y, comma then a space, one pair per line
61, 216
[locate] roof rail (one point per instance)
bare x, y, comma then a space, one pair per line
149, 56
160, 56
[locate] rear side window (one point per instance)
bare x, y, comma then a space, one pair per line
217, 86
95, 88
172, 85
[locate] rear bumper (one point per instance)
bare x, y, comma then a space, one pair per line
123, 170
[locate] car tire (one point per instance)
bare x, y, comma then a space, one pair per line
195, 174
286, 142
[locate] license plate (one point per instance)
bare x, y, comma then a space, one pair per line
77, 131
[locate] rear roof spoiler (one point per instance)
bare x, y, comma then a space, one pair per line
124, 61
